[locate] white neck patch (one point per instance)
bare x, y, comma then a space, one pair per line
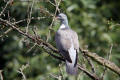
62, 26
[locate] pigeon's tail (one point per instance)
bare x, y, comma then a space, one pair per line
71, 67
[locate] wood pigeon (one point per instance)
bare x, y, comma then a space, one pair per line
68, 44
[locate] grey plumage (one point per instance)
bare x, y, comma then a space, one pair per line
68, 45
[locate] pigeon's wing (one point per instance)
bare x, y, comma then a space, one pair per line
63, 43
75, 40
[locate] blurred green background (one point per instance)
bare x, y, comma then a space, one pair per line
95, 21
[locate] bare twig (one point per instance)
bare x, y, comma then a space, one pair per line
51, 3
111, 47
61, 72
4, 8
89, 62
6, 32
108, 58
50, 27
29, 17
32, 18
1, 76
91, 75
22, 69
31, 48
56, 76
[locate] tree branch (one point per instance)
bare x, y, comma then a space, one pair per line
102, 61
91, 75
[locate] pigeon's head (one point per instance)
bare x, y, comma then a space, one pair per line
62, 17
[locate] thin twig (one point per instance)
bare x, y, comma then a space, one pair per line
50, 27
4, 8
31, 48
89, 62
6, 32
1, 76
29, 17
22, 69
32, 18
108, 58
61, 72
51, 3
91, 75
56, 77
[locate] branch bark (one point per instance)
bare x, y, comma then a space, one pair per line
103, 61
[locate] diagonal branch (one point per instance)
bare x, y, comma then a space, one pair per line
102, 61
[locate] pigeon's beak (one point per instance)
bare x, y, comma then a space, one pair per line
58, 17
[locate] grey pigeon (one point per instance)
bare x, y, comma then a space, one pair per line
68, 44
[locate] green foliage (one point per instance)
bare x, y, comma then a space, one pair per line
95, 21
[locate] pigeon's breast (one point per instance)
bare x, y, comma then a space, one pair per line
63, 40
